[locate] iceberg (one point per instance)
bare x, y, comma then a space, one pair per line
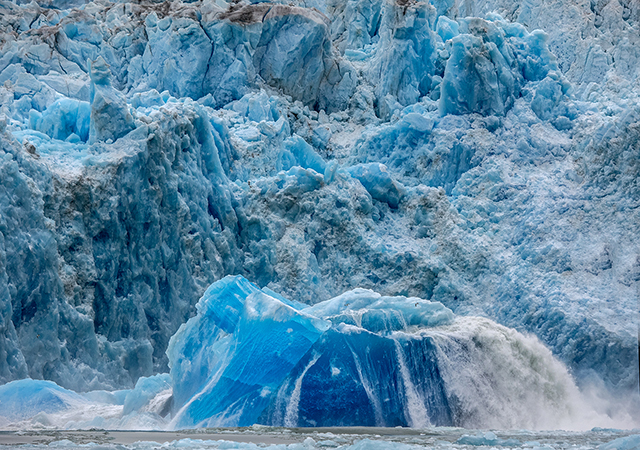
226, 361
26, 398
358, 359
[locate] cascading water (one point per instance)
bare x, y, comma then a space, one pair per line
414, 405
499, 378
293, 411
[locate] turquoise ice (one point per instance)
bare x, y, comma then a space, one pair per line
359, 359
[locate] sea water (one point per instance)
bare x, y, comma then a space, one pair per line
355, 438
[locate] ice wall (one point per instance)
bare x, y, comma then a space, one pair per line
450, 151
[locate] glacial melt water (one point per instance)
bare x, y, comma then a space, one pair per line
429, 212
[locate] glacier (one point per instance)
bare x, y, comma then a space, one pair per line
481, 156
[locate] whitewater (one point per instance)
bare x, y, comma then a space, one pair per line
321, 214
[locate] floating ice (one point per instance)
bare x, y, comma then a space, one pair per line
35, 403
487, 438
279, 439
26, 398
359, 359
624, 443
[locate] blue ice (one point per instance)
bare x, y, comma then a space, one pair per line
65, 119
227, 361
427, 149
26, 398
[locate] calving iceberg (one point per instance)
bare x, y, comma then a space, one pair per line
226, 362
481, 156
251, 356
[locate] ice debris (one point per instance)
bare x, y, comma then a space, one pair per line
487, 438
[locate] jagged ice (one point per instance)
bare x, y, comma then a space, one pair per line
481, 156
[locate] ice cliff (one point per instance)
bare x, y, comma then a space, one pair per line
478, 155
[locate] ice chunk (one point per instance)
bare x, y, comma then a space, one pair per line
294, 53
145, 390
377, 313
33, 403
378, 182
487, 438
404, 64
489, 62
476, 79
296, 152
226, 362
26, 398
177, 55
110, 117
360, 359
446, 28
625, 443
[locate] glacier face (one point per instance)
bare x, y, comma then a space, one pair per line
447, 150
